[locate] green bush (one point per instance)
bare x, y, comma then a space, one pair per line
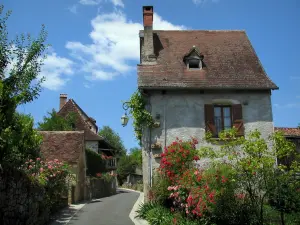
95, 164
159, 216
160, 189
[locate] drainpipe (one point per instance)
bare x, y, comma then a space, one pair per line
165, 130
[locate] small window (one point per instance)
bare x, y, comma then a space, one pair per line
222, 118
194, 63
73, 126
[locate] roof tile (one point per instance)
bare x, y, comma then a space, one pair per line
229, 58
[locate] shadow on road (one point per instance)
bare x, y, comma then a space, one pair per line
62, 217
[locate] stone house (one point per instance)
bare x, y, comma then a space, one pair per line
88, 124
293, 135
68, 147
197, 81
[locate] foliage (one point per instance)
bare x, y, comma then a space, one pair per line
21, 84
141, 117
159, 190
154, 213
94, 163
252, 162
108, 176
125, 166
54, 122
234, 186
113, 138
53, 175
136, 155
23, 141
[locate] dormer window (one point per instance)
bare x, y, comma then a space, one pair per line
193, 59
194, 63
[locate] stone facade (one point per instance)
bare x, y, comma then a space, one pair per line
69, 147
21, 200
182, 115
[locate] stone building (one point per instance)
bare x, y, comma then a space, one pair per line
68, 147
197, 81
87, 124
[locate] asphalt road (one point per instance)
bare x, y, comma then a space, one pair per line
113, 210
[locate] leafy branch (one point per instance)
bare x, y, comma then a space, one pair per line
141, 116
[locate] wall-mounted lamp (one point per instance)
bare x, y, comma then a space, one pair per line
125, 118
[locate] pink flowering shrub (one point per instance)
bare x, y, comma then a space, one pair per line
195, 192
53, 175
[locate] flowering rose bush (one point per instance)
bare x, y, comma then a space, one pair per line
53, 175
193, 191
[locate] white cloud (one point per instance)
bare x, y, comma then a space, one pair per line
199, 2
97, 2
73, 9
115, 44
56, 70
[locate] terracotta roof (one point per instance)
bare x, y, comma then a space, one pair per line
65, 146
81, 124
295, 132
230, 62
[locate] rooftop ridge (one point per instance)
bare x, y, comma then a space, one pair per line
199, 30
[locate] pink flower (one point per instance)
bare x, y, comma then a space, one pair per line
38, 159
30, 160
30, 166
49, 167
170, 188
41, 169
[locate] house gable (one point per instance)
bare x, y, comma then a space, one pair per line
83, 122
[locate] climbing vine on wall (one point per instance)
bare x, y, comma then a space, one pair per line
141, 117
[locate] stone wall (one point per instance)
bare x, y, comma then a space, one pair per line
99, 188
182, 116
21, 200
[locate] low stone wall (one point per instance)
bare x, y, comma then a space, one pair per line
22, 201
99, 188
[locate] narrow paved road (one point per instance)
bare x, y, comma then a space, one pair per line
113, 210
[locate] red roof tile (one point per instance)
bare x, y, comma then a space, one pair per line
229, 58
289, 131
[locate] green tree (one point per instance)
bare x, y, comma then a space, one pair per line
113, 138
125, 166
136, 155
24, 141
54, 122
18, 85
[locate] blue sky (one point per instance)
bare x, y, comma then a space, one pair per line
95, 48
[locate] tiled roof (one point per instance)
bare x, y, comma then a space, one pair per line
65, 146
295, 132
81, 124
230, 62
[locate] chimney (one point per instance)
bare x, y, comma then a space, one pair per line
62, 100
148, 57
